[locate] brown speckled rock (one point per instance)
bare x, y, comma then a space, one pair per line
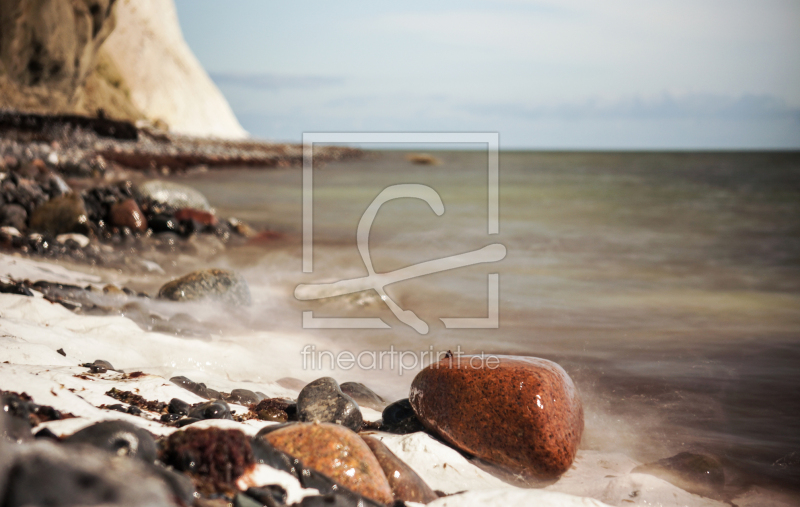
521, 413
336, 452
128, 214
405, 483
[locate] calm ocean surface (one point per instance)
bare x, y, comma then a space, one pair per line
666, 284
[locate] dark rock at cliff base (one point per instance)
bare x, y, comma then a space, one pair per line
173, 195
520, 413
214, 456
119, 438
14, 215
696, 473
336, 452
214, 284
61, 215
323, 401
216, 409
363, 395
400, 418
405, 483
128, 214
46, 473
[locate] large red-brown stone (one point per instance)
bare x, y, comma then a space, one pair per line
336, 452
521, 413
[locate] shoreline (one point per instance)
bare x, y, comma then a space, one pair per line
34, 328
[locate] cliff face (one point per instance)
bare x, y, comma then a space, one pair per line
165, 79
125, 57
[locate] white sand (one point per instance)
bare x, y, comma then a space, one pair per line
32, 329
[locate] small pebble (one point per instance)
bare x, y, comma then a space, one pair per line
216, 409
323, 401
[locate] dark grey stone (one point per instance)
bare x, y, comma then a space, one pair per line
400, 418
216, 409
243, 397
119, 438
179, 407
45, 473
322, 400
191, 386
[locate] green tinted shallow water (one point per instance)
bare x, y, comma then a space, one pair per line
668, 285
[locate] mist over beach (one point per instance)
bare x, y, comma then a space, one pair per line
604, 201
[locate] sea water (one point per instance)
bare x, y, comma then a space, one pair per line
666, 284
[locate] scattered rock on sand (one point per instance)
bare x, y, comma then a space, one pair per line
336, 452
216, 409
275, 409
217, 284
521, 413
193, 387
242, 397
214, 456
323, 401
60, 216
128, 214
174, 195
46, 473
400, 418
405, 483
120, 438
363, 395
13, 215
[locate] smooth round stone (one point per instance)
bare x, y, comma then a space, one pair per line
363, 395
119, 438
56, 475
215, 284
405, 483
323, 401
520, 413
177, 406
61, 215
400, 418
216, 409
242, 397
337, 452
174, 195
128, 214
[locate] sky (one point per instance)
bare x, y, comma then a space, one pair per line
567, 74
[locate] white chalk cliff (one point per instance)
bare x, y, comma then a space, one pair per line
165, 79
126, 58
